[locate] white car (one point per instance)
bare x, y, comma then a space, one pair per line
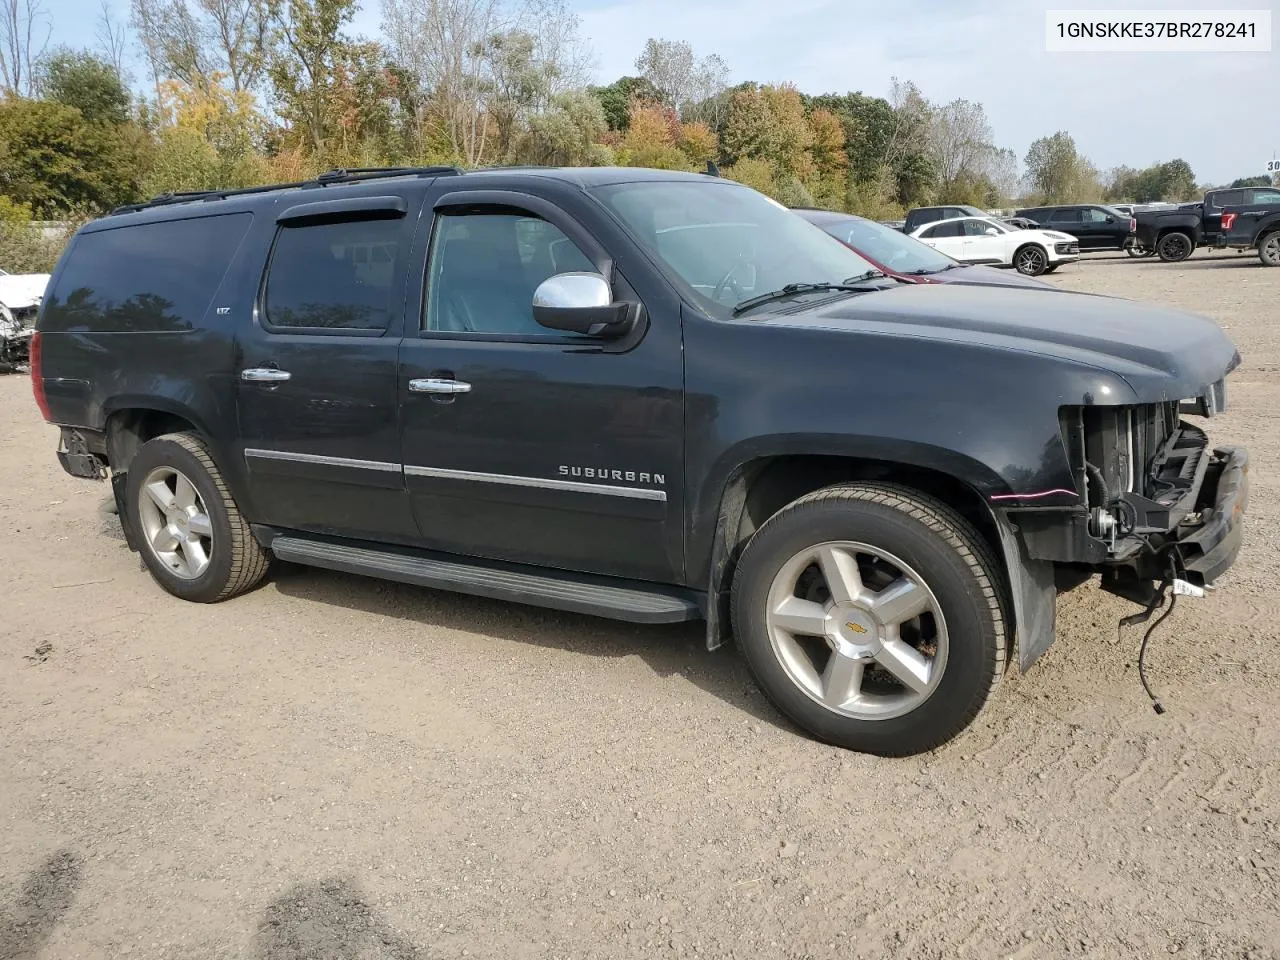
983, 240
20, 296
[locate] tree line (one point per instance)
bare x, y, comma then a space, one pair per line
244, 92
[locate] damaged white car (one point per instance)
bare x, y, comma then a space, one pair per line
19, 302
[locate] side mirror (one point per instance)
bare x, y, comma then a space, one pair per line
1111, 219
991, 232
581, 303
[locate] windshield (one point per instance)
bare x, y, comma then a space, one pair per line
727, 242
893, 248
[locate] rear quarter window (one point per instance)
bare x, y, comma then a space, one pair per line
143, 278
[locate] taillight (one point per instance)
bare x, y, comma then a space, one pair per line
37, 376
1228, 219
1133, 224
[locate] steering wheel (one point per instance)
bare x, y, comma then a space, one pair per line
727, 282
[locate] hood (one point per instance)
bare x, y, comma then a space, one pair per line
990, 276
1162, 354
22, 290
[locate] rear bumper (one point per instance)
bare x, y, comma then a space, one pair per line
1211, 547
80, 455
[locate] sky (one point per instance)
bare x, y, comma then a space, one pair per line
1218, 111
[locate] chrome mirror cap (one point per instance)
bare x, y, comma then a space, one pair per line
573, 291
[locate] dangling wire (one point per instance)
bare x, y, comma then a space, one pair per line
1142, 655
1156, 602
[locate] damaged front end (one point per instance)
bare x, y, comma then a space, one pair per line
1156, 501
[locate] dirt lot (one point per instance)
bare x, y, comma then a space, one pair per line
336, 768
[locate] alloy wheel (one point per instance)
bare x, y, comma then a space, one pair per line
857, 630
1270, 249
1031, 261
175, 523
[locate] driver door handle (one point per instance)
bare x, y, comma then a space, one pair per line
431, 385
264, 375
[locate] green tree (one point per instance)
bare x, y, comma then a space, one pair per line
1259, 181
565, 134
90, 84
616, 99
1056, 170
868, 127
54, 161
308, 50
749, 131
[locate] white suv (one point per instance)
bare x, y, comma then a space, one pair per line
983, 240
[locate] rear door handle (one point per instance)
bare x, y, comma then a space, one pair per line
264, 375
431, 385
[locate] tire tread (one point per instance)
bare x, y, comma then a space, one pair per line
249, 561
969, 546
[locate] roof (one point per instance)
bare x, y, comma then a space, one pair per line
816, 215
584, 177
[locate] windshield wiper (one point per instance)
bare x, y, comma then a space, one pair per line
792, 289
929, 273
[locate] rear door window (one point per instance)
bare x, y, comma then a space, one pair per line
950, 228
1226, 198
144, 278
343, 275
1066, 215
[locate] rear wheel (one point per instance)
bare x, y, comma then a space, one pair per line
1137, 250
1175, 247
1269, 249
191, 534
1031, 260
872, 616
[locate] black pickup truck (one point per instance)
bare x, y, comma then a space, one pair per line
1173, 235
645, 395
1255, 226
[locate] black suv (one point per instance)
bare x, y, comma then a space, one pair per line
637, 394
918, 217
1097, 227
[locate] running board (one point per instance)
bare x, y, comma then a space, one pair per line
578, 593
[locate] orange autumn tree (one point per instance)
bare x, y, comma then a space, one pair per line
656, 137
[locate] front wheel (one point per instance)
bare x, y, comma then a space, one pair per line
1031, 260
1138, 251
1269, 249
1175, 247
873, 617
191, 535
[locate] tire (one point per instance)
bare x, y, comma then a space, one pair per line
960, 642
1030, 259
198, 546
1175, 246
1269, 249
1138, 251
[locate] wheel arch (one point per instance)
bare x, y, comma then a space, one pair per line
130, 421
759, 487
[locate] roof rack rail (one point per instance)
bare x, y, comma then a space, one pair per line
351, 175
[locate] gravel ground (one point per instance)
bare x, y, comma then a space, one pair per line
336, 768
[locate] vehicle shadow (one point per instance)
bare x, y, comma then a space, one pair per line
46, 896
329, 920
667, 649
